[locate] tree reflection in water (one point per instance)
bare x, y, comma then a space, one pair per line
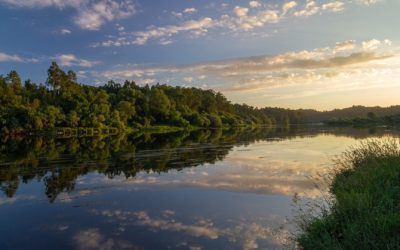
58, 162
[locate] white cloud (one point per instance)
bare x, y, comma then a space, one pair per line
239, 21
188, 79
368, 2
255, 4
235, 21
164, 41
147, 81
305, 67
45, 3
311, 8
335, 6
177, 14
71, 60
190, 10
10, 58
93, 239
91, 14
245, 233
346, 45
4, 57
371, 44
65, 31
120, 28
162, 224
246, 22
288, 6
199, 26
95, 15
240, 11
375, 43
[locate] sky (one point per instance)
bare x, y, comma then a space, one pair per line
319, 54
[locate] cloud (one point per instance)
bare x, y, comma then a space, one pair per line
244, 233
195, 27
91, 14
240, 11
254, 4
65, 31
71, 60
190, 10
235, 21
10, 58
92, 239
188, 79
16, 198
61, 4
162, 224
375, 43
346, 45
311, 8
95, 15
368, 2
246, 22
335, 6
186, 11
288, 6
266, 71
16, 58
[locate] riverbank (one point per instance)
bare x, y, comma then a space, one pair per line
365, 213
92, 132
67, 132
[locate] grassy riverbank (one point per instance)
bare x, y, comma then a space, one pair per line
365, 213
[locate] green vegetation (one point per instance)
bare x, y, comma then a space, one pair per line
370, 120
365, 213
347, 114
64, 103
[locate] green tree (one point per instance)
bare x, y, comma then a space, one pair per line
73, 119
126, 111
159, 104
14, 81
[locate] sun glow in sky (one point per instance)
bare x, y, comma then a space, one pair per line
320, 54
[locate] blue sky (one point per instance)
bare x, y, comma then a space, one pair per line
297, 54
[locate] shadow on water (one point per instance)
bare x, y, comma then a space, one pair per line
57, 163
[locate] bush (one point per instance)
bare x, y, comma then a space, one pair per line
197, 119
215, 121
365, 213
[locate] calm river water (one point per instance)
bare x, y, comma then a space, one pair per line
208, 189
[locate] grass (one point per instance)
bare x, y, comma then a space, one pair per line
365, 211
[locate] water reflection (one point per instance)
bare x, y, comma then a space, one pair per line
58, 162
212, 189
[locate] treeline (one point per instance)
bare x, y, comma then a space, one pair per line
370, 120
63, 102
354, 112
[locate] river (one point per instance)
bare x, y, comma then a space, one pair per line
207, 189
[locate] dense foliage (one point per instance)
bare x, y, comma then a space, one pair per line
370, 120
63, 102
365, 213
350, 113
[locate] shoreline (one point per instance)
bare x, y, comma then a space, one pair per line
365, 211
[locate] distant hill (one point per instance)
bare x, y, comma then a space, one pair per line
313, 116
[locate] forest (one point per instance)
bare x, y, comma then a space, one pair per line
62, 102
357, 114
